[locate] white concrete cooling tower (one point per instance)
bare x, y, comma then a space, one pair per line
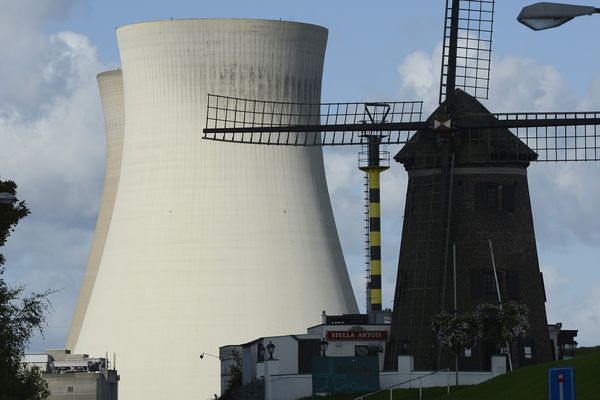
110, 84
210, 243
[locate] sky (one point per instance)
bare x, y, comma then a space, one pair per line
52, 139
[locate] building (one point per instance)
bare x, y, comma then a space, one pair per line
110, 84
281, 367
342, 335
75, 376
207, 243
562, 342
463, 214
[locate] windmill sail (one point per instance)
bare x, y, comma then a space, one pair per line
467, 47
230, 119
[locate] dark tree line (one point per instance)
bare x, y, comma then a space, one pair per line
20, 316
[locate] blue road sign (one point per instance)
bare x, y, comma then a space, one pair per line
561, 383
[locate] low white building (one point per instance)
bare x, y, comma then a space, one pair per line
75, 376
280, 367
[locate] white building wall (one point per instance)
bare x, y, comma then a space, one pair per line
211, 243
110, 84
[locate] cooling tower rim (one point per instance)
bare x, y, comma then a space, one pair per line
108, 72
231, 20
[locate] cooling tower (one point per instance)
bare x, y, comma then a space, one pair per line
110, 84
211, 243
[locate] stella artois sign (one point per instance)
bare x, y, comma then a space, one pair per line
358, 336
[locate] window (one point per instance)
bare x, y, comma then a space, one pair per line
365, 350
494, 196
483, 284
69, 388
488, 283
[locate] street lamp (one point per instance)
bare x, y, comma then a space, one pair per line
270, 349
540, 16
7, 198
208, 354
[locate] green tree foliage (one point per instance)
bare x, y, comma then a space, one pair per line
456, 332
234, 377
489, 321
20, 316
505, 324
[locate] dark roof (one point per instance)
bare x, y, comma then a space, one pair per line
474, 146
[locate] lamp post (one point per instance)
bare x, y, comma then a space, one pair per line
271, 349
540, 16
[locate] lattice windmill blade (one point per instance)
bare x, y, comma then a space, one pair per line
554, 136
467, 47
237, 120
371, 125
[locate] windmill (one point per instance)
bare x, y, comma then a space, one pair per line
467, 206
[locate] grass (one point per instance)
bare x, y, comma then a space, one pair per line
530, 383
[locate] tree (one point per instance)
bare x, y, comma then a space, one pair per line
234, 376
456, 333
20, 316
503, 324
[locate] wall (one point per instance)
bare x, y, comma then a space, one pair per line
84, 386
291, 387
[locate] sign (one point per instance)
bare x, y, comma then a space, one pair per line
561, 383
357, 336
345, 374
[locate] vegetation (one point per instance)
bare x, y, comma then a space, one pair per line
234, 376
20, 316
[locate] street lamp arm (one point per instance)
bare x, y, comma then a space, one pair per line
208, 354
540, 16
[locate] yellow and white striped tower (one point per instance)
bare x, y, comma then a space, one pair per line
373, 164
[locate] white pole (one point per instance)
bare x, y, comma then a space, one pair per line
420, 388
499, 298
454, 262
455, 305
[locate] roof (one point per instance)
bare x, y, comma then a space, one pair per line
475, 146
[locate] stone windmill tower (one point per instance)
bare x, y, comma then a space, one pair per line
468, 207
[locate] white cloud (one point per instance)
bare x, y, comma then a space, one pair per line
53, 146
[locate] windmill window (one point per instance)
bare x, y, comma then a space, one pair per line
483, 284
494, 196
488, 283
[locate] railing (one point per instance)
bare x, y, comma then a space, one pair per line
420, 379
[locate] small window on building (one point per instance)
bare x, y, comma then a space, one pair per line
494, 196
483, 284
508, 197
361, 351
488, 283
69, 389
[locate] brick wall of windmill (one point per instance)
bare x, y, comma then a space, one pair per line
510, 227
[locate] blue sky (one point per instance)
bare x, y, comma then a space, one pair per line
52, 134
